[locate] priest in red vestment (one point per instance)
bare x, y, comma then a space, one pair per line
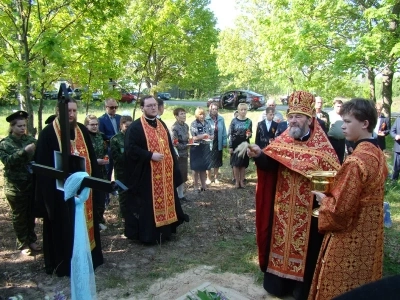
152, 176
287, 236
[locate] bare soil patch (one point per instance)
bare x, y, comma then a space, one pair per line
217, 245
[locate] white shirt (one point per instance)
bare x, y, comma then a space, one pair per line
268, 123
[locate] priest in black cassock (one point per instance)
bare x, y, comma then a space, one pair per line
59, 215
152, 175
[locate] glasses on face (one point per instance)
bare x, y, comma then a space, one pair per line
150, 105
112, 107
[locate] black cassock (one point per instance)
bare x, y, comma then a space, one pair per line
139, 221
59, 215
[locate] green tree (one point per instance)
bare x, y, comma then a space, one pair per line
174, 46
38, 36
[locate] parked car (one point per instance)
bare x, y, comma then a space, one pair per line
213, 99
77, 94
164, 96
127, 97
233, 97
97, 95
50, 95
284, 100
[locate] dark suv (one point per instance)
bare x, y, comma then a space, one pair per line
234, 97
164, 96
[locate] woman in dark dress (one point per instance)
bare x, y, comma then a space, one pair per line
200, 155
240, 130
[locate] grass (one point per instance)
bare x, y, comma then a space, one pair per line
391, 263
218, 234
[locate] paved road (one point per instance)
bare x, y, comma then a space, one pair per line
204, 104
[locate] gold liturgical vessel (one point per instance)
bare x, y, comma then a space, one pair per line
321, 182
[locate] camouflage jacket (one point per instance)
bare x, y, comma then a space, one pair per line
117, 153
15, 158
100, 148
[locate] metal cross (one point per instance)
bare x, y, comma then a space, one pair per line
89, 181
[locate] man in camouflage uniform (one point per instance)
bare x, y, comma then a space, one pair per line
117, 152
16, 152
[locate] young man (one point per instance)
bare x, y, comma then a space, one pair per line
351, 215
266, 129
278, 117
153, 211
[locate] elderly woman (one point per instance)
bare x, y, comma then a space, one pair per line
217, 123
98, 140
180, 137
117, 152
200, 157
240, 130
16, 152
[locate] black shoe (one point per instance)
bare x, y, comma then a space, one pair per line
202, 190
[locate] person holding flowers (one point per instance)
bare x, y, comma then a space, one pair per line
240, 130
200, 155
180, 139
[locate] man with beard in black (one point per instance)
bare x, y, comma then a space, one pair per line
58, 214
152, 175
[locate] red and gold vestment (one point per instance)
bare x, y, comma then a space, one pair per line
352, 220
283, 236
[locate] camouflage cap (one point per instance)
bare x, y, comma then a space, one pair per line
301, 102
17, 115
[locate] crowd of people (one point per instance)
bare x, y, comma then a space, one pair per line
301, 255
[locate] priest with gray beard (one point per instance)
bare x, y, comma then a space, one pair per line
287, 234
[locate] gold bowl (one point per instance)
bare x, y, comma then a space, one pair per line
322, 180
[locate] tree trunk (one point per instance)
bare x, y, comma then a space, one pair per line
371, 82
387, 82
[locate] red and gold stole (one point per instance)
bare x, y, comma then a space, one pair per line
79, 146
162, 177
293, 198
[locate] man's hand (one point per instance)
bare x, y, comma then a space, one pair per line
397, 137
381, 133
253, 151
157, 156
102, 162
30, 148
320, 196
